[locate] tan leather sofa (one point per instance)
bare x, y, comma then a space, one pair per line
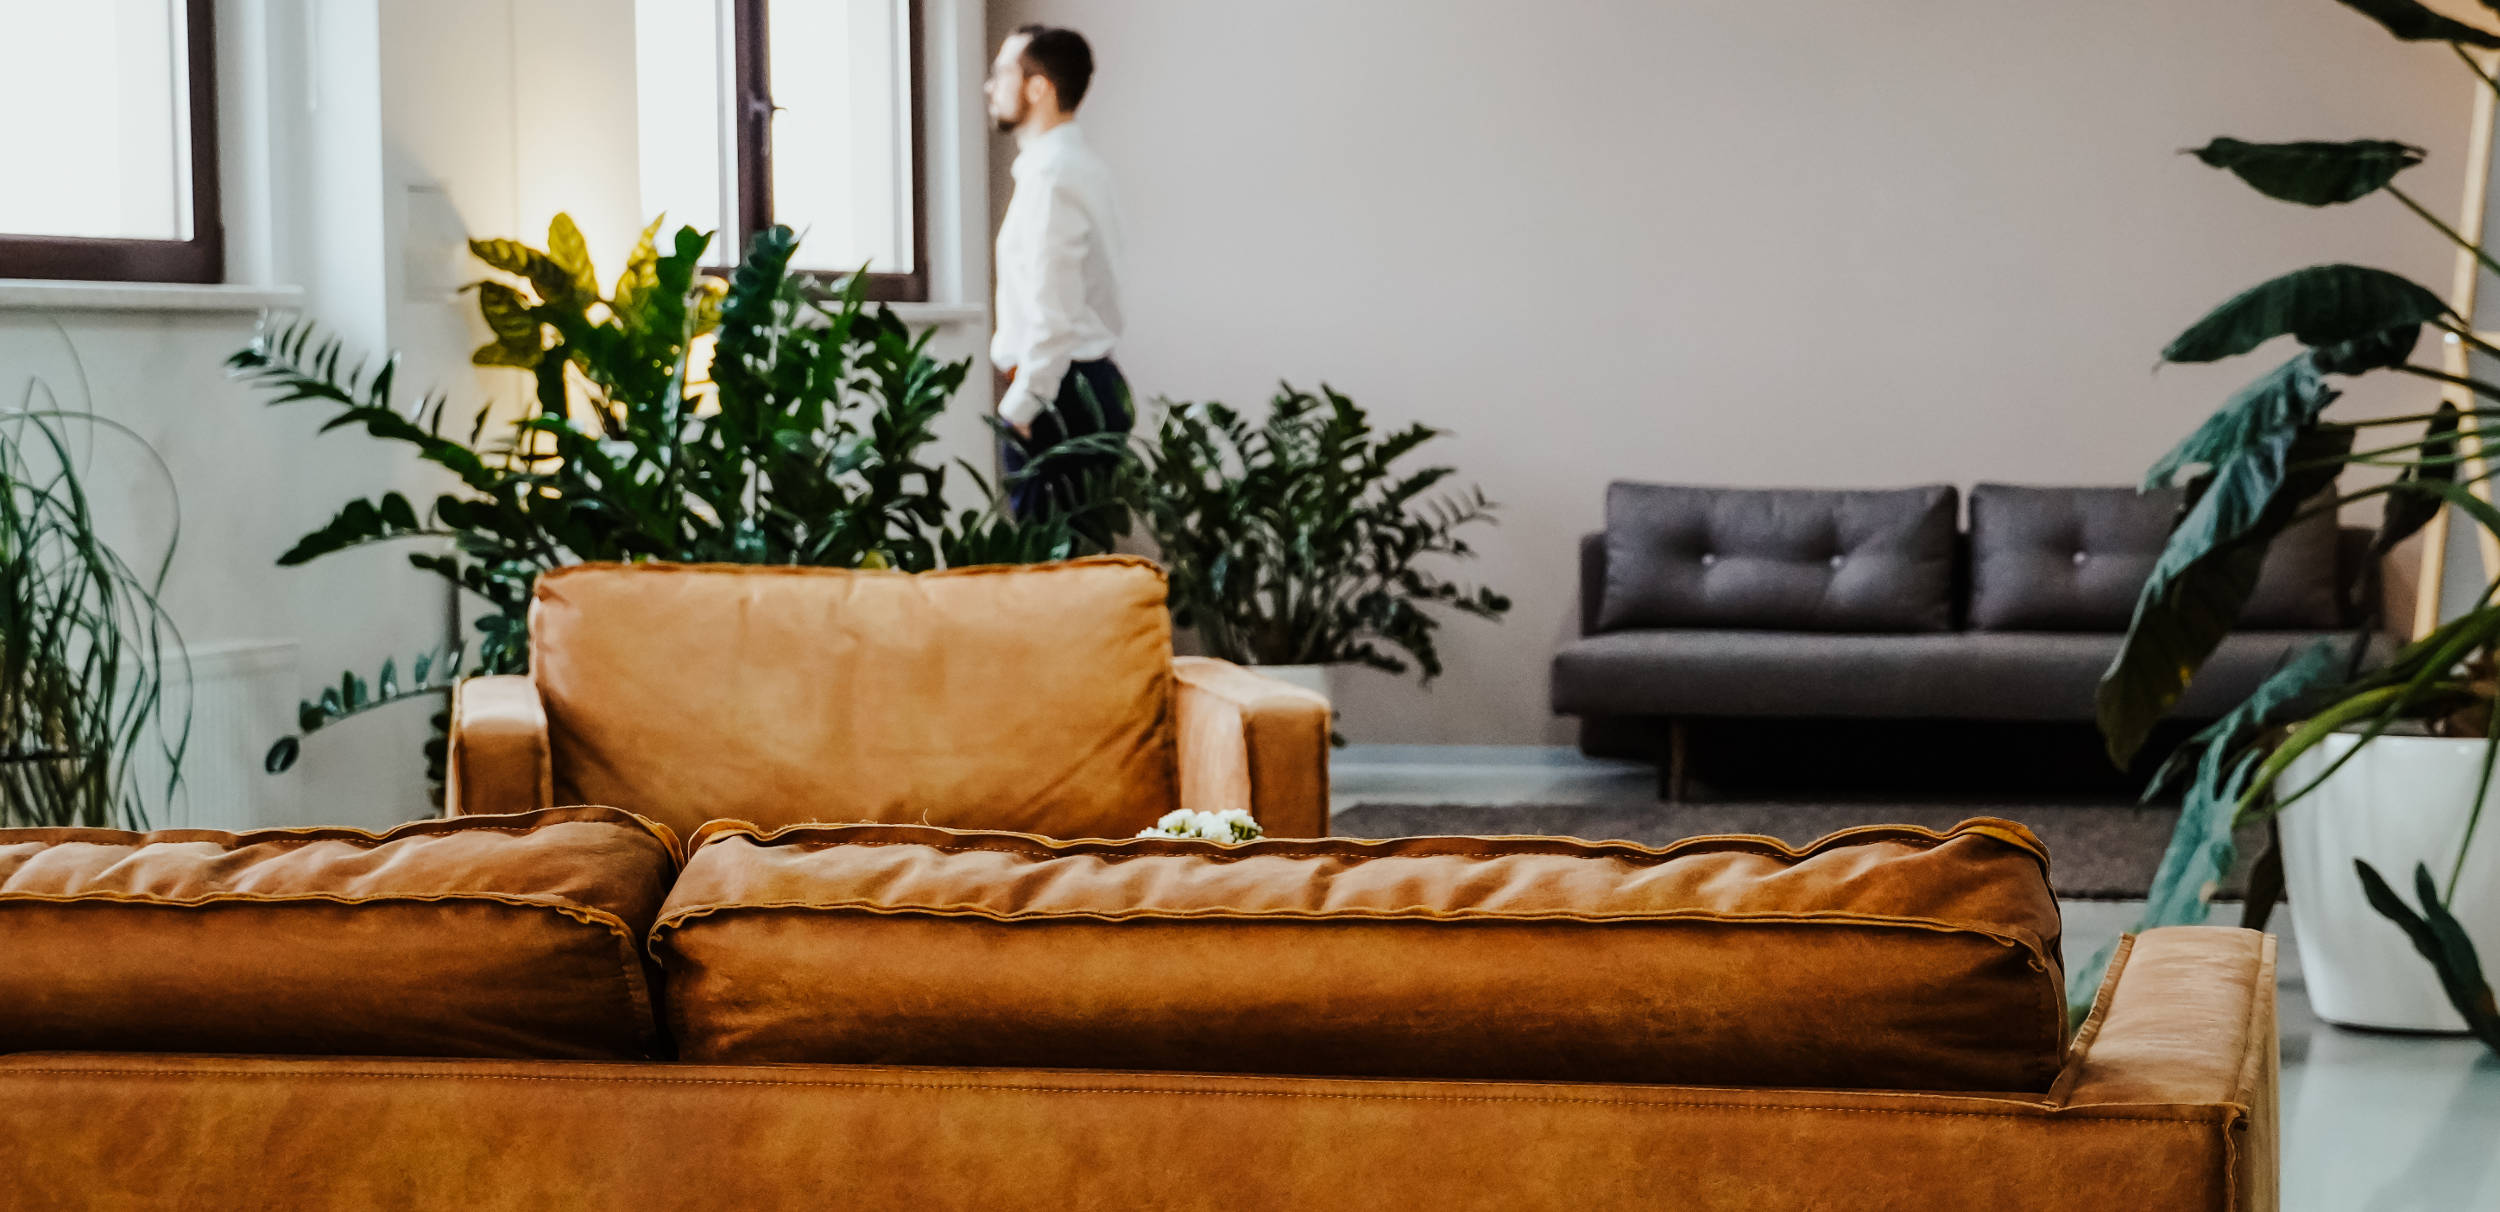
1564, 962
1044, 699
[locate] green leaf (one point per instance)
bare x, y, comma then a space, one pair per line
2321, 305
2224, 758
357, 523
2312, 174
571, 254
641, 275
282, 755
496, 353
2311, 669
2208, 568
510, 256
507, 315
2286, 399
2382, 350
2412, 22
552, 281
2437, 936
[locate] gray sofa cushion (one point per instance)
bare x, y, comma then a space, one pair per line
1958, 676
2074, 559
1787, 559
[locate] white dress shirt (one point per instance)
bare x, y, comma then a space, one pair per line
1058, 269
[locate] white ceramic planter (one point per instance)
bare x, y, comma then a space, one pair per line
2402, 800
1318, 679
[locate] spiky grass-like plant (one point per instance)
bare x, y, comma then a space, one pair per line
85, 646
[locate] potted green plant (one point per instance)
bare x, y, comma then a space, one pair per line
1298, 543
676, 416
89, 721
2389, 764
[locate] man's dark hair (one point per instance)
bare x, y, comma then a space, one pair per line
1061, 57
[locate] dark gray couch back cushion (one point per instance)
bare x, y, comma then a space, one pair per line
1779, 559
2074, 559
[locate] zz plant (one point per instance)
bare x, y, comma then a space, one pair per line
804, 440
1299, 540
2271, 456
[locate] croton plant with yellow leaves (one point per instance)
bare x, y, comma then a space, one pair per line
681, 416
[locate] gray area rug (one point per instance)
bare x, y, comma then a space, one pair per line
2098, 851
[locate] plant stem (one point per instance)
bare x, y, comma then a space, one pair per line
2474, 819
2416, 418
2444, 229
2467, 57
2477, 386
2466, 334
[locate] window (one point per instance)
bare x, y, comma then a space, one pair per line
802, 112
108, 160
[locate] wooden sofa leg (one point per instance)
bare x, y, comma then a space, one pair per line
1671, 777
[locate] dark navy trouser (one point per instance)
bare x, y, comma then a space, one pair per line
1092, 399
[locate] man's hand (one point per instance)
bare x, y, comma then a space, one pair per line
1024, 430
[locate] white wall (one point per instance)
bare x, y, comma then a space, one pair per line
1721, 241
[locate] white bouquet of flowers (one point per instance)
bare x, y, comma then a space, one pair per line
1229, 826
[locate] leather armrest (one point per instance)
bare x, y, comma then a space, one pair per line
2186, 1018
1252, 742
499, 761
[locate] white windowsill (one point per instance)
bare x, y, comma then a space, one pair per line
937, 315
32, 294
27, 294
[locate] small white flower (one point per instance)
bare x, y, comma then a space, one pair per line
1230, 827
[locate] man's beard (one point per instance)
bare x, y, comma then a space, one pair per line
1007, 124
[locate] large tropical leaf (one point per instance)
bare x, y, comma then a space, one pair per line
2312, 173
2322, 305
2385, 349
2439, 938
2289, 397
2411, 21
2267, 456
2222, 757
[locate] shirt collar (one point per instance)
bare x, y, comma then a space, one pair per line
1049, 143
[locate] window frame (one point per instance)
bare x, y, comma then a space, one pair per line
199, 259
751, 95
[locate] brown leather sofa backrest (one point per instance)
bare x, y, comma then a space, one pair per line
489, 936
1880, 958
1035, 698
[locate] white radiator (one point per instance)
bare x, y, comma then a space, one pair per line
242, 699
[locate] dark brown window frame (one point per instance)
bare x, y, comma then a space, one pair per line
754, 99
202, 258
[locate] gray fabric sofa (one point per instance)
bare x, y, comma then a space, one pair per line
1716, 603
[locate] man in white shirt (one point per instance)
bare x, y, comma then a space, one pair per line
1058, 276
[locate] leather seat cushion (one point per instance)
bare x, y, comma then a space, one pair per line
485, 936
1885, 958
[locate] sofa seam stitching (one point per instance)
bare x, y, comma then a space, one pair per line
2013, 1110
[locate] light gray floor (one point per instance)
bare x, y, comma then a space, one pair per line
2371, 1122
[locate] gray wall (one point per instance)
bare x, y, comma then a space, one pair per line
1720, 241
